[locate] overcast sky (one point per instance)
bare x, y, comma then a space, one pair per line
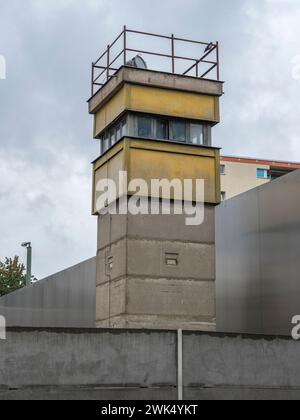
46, 141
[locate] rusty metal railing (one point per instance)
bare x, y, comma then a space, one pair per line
109, 62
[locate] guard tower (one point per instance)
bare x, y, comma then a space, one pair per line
155, 122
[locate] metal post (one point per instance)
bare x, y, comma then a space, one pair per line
28, 247
93, 76
179, 365
125, 45
108, 62
218, 61
173, 53
29, 262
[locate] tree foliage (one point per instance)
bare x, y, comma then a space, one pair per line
12, 275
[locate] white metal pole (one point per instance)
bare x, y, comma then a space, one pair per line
179, 365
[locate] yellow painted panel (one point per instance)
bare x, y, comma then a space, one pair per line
157, 101
150, 164
169, 147
109, 170
173, 103
111, 110
147, 160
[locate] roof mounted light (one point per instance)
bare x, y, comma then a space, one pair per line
137, 62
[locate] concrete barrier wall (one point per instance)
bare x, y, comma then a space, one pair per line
131, 365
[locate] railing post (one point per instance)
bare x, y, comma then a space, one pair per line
93, 76
218, 61
108, 62
173, 53
125, 45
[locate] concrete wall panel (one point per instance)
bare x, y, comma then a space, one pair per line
173, 227
83, 358
172, 298
137, 365
237, 361
148, 258
111, 262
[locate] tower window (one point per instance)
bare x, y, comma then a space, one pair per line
178, 131
196, 135
162, 129
124, 128
144, 127
223, 195
106, 144
223, 170
172, 260
119, 131
109, 265
112, 136
156, 127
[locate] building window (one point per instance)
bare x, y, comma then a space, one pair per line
196, 134
263, 173
106, 145
112, 137
123, 128
144, 127
162, 129
178, 131
223, 195
222, 169
119, 131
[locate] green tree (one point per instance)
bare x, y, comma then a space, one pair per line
12, 275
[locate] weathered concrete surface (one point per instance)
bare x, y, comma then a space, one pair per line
89, 394
112, 229
132, 365
161, 322
231, 366
242, 394
66, 299
147, 258
165, 296
136, 288
153, 79
97, 358
144, 258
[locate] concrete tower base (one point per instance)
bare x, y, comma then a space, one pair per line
156, 272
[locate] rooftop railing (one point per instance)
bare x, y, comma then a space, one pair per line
168, 56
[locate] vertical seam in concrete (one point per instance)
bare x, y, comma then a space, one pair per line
179, 365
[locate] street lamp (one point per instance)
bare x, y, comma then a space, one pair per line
28, 246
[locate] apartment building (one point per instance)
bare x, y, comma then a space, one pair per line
239, 174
